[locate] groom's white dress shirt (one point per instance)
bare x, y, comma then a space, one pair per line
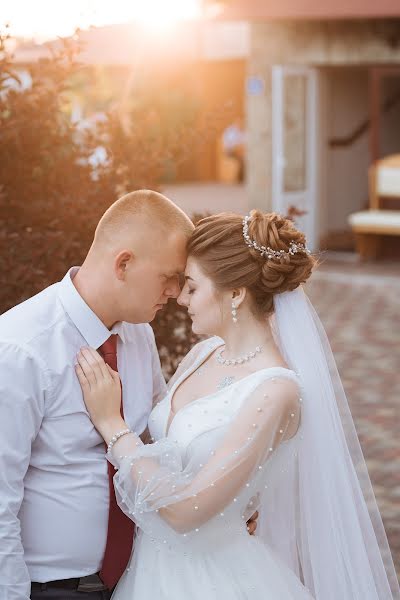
53, 473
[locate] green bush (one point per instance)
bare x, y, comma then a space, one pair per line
52, 196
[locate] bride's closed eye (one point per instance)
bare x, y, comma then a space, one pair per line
186, 289
181, 280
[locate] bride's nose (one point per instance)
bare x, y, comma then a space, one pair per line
183, 298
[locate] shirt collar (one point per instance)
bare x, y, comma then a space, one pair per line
119, 329
90, 326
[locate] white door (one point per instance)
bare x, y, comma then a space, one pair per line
294, 146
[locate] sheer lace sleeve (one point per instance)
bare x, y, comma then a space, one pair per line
153, 483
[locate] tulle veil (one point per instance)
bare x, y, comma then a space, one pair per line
322, 517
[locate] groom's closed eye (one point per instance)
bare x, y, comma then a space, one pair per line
174, 277
169, 276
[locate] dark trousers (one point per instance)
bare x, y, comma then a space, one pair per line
64, 594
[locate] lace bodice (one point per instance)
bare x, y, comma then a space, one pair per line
205, 476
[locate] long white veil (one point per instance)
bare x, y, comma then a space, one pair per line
326, 524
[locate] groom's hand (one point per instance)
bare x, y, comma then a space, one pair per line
252, 523
146, 437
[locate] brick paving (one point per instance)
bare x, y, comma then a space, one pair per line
360, 309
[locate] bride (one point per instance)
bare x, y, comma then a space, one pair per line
255, 418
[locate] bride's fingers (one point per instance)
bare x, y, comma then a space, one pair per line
99, 363
83, 380
113, 374
96, 363
86, 367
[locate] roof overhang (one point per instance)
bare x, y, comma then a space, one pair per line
265, 10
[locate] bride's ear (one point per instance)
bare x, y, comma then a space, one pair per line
238, 296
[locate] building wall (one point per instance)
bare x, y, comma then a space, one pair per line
347, 166
338, 43
220, 98
390, 125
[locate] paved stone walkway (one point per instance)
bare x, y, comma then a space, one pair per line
360, 309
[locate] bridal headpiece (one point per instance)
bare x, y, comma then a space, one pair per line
268, 252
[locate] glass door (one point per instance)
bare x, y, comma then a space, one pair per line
294, 146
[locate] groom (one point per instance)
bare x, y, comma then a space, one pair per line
62, 535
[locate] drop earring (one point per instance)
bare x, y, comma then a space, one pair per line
234, 313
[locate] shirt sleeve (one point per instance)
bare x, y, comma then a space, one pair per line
22, 394
153, 480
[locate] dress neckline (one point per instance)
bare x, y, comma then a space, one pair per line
186, 374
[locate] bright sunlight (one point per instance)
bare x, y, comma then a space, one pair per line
47, 18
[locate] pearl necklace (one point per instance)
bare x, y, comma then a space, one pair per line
237, 361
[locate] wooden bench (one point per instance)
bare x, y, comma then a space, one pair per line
370, 226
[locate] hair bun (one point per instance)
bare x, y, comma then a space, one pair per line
219, 245
274, 231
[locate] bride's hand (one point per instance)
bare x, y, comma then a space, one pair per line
101, 389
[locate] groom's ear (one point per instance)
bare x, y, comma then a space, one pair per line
121, 263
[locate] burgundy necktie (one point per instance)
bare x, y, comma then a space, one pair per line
120, 527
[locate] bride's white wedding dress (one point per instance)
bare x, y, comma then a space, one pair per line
203, 551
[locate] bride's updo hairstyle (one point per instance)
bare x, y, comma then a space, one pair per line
220, 249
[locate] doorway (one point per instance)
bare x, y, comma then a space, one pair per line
349, 130
294, 147
324, 124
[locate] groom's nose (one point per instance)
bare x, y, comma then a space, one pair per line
173, 288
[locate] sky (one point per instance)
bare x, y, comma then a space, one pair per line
44, 19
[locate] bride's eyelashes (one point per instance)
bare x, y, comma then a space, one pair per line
181, 280
187, 289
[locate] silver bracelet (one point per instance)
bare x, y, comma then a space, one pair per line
116, 437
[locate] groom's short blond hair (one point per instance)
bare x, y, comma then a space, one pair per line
160, 213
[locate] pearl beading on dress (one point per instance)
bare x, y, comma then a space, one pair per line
188, 544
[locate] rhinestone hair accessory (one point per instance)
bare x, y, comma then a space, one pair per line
268, 252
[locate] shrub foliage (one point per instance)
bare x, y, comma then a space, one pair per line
52, 193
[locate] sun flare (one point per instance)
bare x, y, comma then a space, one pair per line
160, 13
46, 18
